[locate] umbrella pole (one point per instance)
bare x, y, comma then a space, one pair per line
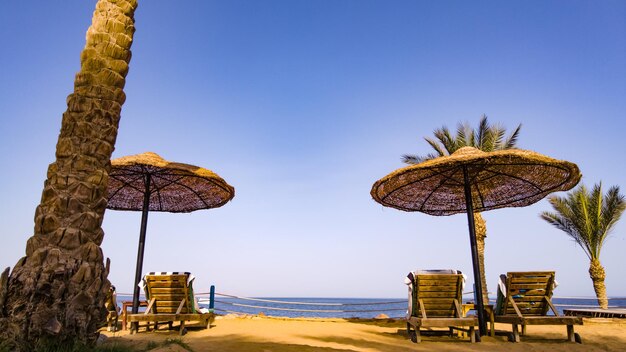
142, 242
478, 286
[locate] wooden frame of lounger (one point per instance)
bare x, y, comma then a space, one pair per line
170, 302
528, 301
437, 303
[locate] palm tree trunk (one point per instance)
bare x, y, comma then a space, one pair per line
597, 274
56, 293
481, 234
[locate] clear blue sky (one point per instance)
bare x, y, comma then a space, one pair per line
301, 106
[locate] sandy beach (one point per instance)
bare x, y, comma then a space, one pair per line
266, 334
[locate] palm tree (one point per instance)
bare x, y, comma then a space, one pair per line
487, 138
56, 293
588, 219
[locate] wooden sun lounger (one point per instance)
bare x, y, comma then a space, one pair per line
528, 301
436, 302
170, 299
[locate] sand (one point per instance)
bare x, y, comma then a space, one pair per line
266, 334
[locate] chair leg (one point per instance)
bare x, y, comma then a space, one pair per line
418, 337
472, 334
410, 332
515, 334
523, 330
570, 333
182, 330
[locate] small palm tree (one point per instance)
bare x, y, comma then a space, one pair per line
487, 138
588, 219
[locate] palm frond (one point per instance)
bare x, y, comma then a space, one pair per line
472, 139
573, 210
511, 142
614, 206
482, 132
461, 136
497, 136
566, 226
582, 202
578, 202
595, 211
436, 146
488, 143
444, 136
412, 159
612, 209
430, 156
570, 210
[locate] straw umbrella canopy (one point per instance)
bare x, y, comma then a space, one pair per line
471, 180
147, 182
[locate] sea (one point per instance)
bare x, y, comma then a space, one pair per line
363, 308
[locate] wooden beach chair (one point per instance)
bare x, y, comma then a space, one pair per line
170, 299
524, 298
435, 299
113, 311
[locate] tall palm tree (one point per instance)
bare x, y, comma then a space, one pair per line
55, 294
485, 137
588, 219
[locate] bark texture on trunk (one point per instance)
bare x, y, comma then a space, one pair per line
56, 293
481, 234
598, 275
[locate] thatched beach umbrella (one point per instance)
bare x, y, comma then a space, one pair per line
147, 182
471, 181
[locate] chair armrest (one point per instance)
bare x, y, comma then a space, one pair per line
457, 307
150, 305
422, 310
181, 305
556, 313
517, 311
